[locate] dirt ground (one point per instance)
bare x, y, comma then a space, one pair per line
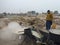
38, 21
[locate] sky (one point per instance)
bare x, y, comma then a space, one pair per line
17, 6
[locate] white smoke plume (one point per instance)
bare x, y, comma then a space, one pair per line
7, 35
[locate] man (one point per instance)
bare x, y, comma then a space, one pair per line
49, 20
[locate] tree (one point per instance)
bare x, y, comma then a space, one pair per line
56, 12
4, 13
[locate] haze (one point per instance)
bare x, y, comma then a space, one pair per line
17, 6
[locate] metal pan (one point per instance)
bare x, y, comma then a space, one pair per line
54, 35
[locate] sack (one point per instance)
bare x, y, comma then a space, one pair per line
53, 26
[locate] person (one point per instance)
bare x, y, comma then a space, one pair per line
49, 20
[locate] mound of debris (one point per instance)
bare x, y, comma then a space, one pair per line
4, 22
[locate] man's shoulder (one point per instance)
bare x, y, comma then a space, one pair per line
51, 13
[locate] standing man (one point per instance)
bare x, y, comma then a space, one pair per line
49, 20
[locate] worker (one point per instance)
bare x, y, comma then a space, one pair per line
49, 20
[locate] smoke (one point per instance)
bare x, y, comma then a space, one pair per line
7, 34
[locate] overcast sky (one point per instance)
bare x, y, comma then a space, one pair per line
29, 5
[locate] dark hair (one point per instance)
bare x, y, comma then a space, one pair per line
48, 11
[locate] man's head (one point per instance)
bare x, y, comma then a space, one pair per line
48, 11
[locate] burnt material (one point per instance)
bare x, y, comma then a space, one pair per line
55, 38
